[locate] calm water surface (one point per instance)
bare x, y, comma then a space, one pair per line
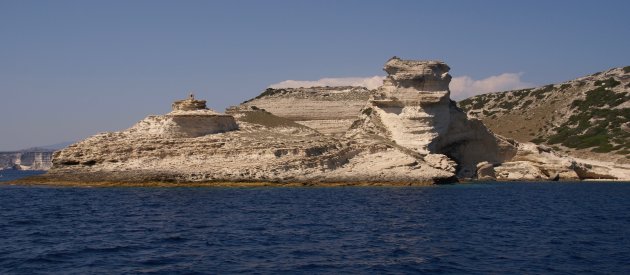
477, 228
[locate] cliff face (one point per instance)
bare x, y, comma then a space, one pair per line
588, 117
26, 160
408, 131
189, 119
329, 110
413, 109
264, 147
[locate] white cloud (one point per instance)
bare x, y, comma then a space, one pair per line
461, 87
368, 82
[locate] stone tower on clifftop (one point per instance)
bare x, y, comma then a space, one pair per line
189, 104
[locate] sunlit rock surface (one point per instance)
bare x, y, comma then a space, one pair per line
329, 110
189, 118
406, 132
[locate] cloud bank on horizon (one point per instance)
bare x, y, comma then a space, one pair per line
462, 87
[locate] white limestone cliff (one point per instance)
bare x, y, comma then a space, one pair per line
189, 118
26, 160
407, 132
414, 111
328, 110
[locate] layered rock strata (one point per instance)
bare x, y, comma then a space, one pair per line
413, 109
264, 148
189, 118
26, 160
329, 110
409, 132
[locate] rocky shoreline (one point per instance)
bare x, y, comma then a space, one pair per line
408, 132
43, 180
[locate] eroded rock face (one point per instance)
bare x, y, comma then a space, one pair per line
189, 118
184, 125
328, 110
413, 82
485, 171
409, 132
413, 103
414, 110
270, 150
441, 162
189, 104
260, 146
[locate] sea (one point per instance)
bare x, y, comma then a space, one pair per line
481, 228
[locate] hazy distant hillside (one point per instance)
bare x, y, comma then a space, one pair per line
586, 117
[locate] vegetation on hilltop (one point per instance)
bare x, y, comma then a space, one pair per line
590, 113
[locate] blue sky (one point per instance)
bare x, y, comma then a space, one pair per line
70, 69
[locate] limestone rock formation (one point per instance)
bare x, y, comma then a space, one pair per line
485, 171
268, 148
189, 118
406, 132
413, 110
329, 110
35, 159
189, 104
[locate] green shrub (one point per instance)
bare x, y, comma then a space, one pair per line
270, 92
600, 97
610, 82
605, 148
540, 93
508, 105
527, 103
478, 104
521, 93
465, 104
538, 140
578, 132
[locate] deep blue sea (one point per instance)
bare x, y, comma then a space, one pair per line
502, 228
